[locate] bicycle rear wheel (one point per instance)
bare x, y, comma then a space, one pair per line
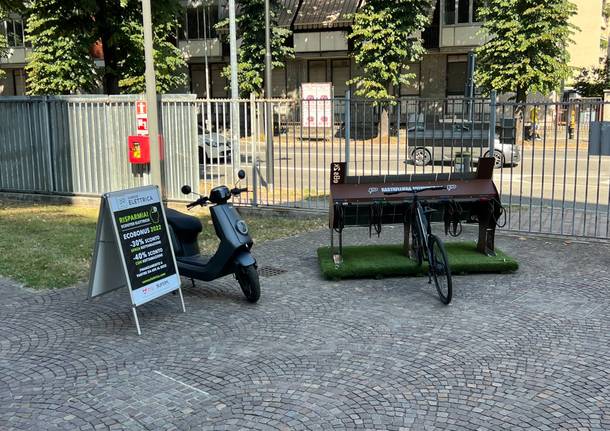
439, 267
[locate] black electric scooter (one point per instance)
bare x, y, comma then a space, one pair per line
233, 255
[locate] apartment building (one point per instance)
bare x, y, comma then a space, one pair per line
322, 50
591, 41
15, 81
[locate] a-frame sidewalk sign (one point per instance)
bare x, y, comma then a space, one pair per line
133, 248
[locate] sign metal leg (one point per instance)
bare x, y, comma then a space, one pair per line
181, 299
135, 318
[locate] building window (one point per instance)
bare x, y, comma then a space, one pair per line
449, 12
198, 22
12, 29
14, 83
457, 69
461, 11
476, 5
340, 70
20, 80
218, 83
316, 71
278, 79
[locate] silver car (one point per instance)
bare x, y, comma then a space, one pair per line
441, 143
213, 147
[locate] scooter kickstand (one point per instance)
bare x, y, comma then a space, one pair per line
193, 282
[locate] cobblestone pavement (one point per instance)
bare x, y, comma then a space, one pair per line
523, 350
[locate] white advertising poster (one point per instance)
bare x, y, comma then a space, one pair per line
317, 106
145, 244
133, 248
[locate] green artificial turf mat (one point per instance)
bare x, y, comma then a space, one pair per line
377, 261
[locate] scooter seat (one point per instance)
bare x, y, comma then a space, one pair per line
183, 223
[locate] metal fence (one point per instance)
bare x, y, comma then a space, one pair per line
551, 171
550, 178
78, 144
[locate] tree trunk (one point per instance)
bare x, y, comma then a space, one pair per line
384, 121
521, 99
102, 19
384, 116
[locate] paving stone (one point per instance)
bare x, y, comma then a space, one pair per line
522, 350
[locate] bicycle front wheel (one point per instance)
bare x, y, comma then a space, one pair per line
439, 267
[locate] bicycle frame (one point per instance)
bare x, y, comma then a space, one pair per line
422, 220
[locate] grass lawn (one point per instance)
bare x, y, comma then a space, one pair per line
50, 246
375, 261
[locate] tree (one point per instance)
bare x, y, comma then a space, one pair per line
11, 5
386, 36
251, 57
592, 81
528, 49
63, 33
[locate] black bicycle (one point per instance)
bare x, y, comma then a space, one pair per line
425, 244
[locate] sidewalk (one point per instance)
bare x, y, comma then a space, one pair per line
529, 349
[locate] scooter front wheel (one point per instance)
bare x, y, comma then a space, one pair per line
247, 276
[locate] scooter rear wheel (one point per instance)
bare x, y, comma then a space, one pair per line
248, 281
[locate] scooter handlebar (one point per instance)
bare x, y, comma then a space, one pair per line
201, 201
237, 191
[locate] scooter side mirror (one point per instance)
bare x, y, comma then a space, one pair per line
186, 189
241, 174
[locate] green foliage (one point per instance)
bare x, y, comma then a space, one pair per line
251, 56
169, 61
384, 37
62, 33
528, 51
592, 81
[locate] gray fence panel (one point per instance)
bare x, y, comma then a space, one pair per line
24, 146
78, 144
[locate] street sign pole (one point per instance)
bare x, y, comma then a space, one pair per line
469, 90
268, 93
234, 87
208, 110
151, 98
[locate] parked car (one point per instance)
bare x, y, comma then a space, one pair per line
213, 147
440, 142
